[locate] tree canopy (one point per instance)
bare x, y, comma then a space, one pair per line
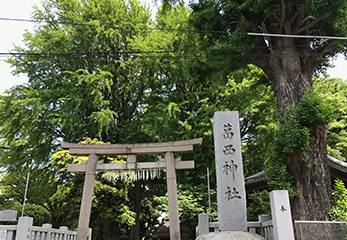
289, 49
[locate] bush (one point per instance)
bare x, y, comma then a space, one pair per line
39, 213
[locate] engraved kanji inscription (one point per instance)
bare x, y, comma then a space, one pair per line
229, 150
230, 168
228, 131
232, 193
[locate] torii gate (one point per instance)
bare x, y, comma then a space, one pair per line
131, 150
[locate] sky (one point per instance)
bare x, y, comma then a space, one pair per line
12, 34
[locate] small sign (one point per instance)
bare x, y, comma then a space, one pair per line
7, 215
3, 234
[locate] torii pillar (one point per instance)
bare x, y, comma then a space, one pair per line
131, 150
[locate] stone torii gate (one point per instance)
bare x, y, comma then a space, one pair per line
131, 150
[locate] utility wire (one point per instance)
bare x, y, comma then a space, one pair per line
194, 52
121, 57
120, 27
295, 36
177, 29
183, 54
43, 21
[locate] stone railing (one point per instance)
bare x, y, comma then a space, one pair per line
279, 228
263, 227
25, 230
8, 232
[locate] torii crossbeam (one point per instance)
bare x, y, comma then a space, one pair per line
131, 150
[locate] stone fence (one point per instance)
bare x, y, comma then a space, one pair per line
263, 227
25, 230
279, 228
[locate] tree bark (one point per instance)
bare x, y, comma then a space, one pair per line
291, 74
312, 180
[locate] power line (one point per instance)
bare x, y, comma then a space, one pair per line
43, 21
177, 29
194, 52
165, 55
119, 27
295, 36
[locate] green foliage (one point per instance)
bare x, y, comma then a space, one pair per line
291, 139
149, 214
258, 204
339, 209
287, 65
41, 186
312, 111
266, 16
40, 214
294, 137
82, 80
277, 174
334, 93
190, 204
63, 209
110, 201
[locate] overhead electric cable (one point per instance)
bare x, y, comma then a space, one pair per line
118, 27
184, 30
43, 21
295, 36
191, 52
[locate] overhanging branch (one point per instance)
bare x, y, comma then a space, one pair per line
309, 24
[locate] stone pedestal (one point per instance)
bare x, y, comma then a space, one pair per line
230, 235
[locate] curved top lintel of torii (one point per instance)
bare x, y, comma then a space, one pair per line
184, 146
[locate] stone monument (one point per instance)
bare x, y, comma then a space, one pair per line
231, 194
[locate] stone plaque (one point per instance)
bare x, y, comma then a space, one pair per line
231, 194
7, 215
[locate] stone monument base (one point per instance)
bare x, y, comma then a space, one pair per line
230, 235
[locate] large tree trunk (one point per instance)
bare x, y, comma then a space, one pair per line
291, 74
312, 180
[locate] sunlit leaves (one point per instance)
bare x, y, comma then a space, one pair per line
339, 209
334, 93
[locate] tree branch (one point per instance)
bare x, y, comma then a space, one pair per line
295, 15
283, 15
309, 24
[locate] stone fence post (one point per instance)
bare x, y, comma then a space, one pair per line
281, 215
49, 230
203, 225
263, 218
64, 230
24, 227
89, 234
